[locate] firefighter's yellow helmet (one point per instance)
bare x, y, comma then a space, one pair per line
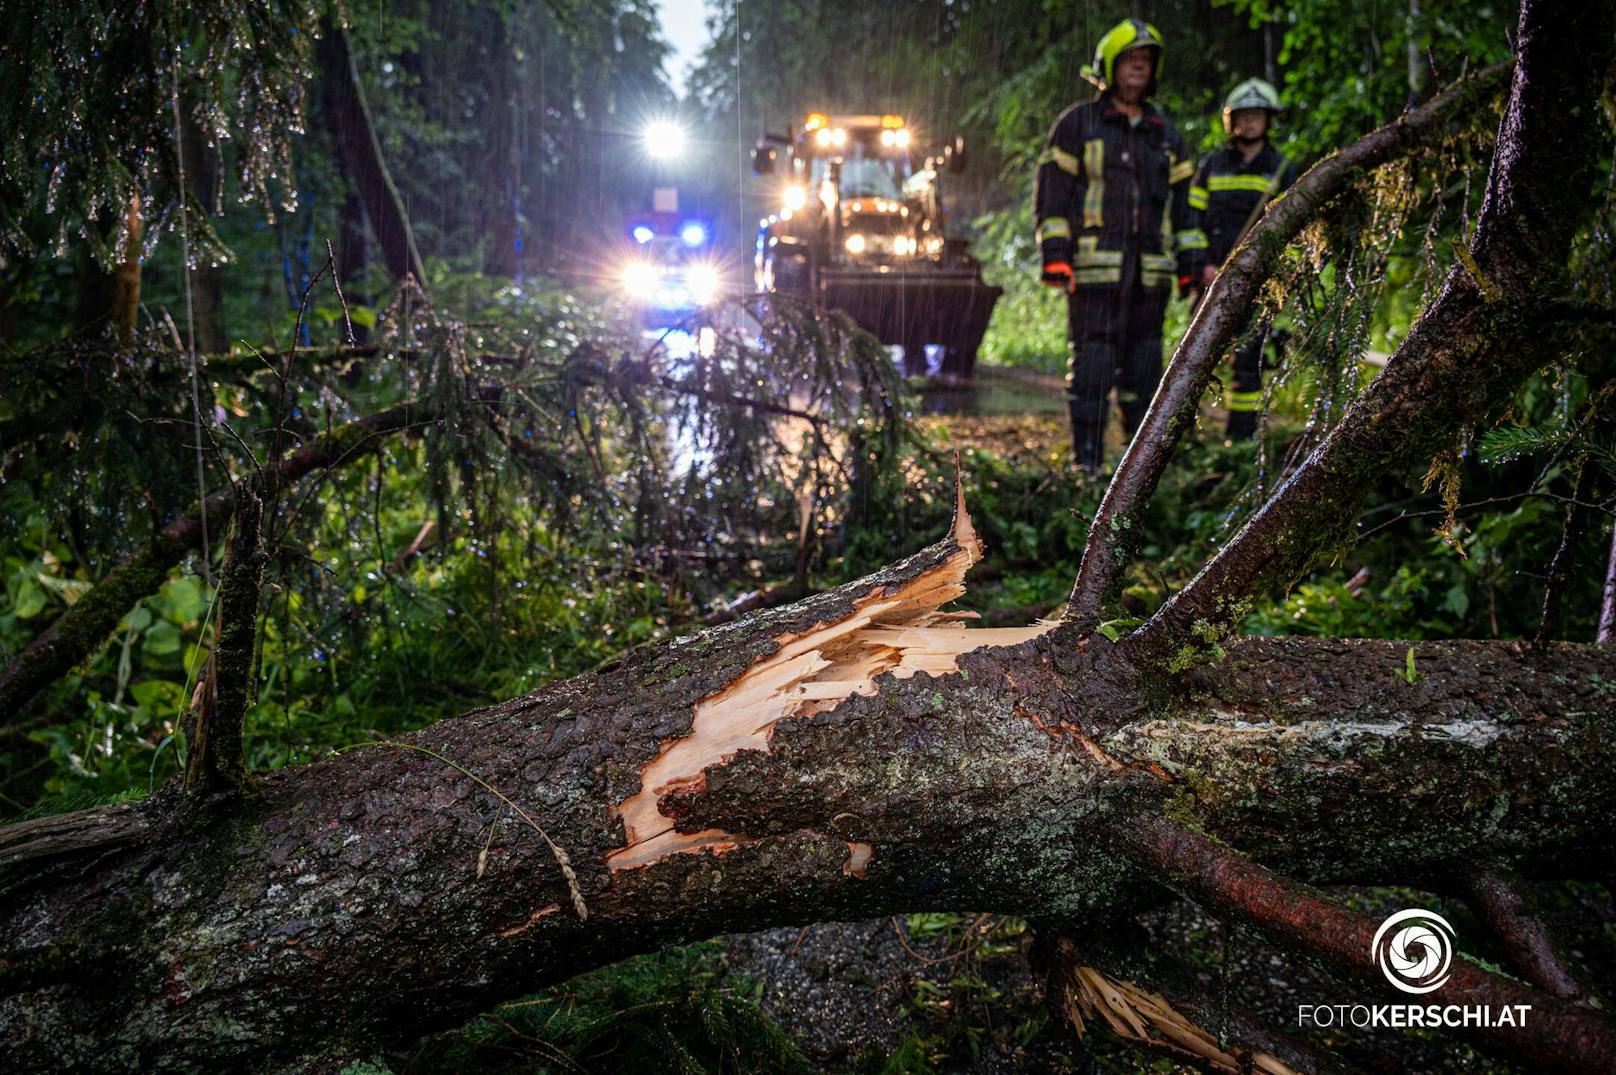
1252, 93
1125, 36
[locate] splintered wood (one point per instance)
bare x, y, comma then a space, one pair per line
897, 630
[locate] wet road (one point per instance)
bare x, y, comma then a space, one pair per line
997, 391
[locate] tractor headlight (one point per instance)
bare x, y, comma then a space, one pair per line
702, 282
855, 243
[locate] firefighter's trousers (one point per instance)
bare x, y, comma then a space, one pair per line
1245, 385
1116, 337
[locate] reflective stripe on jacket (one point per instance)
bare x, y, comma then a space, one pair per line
1226, 189
1107, 187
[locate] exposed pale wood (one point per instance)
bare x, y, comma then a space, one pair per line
899, 631
1137, 1014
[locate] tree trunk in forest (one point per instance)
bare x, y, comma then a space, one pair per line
499, 178
112, 299
205, 280
858, 754
360, 151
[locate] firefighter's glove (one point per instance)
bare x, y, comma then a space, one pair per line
1057, 274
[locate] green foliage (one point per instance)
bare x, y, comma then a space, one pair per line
676, 1011
1028, 328
950, 1013
568, 491
1347, 66
99, 101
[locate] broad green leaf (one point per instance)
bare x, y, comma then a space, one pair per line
163, 639
30, 600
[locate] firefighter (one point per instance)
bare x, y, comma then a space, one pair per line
1231, 188
1113, 184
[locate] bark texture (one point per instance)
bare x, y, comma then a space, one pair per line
341, 908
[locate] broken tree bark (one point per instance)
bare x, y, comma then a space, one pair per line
857, 754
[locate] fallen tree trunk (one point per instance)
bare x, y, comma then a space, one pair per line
859, 753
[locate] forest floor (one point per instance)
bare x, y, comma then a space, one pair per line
959, 993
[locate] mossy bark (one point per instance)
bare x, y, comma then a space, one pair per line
342, 907
216, 759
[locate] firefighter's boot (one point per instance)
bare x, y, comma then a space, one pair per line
1242, 425
1088, 436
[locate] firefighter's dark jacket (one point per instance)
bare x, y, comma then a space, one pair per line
1226, 189
1105, 187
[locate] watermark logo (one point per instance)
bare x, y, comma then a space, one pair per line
1414, 949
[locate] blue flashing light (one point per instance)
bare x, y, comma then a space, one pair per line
694, 233
643, 234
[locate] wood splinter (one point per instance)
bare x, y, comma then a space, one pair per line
899, 630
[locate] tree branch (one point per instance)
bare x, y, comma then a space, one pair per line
1607, 598
1498, 899
1466, 356
1556, 1035
82, 628
216, 760
1584, 490
1221, 318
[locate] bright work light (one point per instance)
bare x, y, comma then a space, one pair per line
693, 233
664, 139
640, 279
703, 282
643, 234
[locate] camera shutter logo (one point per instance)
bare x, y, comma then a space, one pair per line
1414, 949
